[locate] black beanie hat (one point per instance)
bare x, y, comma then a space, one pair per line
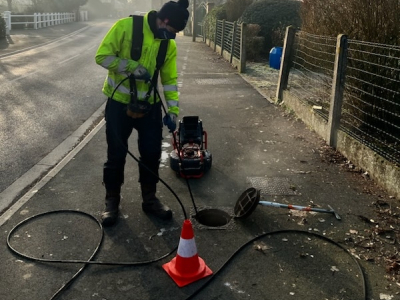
176, 13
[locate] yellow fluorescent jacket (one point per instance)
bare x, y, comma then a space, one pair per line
114, 54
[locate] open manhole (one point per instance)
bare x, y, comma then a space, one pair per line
245, 205
213, 217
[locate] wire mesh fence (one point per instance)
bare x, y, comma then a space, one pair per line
310, 79
371, 101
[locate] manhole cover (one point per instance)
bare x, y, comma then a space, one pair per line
213, 81
273, 185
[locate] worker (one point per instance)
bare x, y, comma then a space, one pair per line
129, 105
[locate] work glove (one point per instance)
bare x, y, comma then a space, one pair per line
141, 73
170, 121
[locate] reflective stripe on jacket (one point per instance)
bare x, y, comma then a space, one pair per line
114, 54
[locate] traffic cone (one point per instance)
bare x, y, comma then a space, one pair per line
187, 266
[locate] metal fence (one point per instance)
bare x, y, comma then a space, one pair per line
311, 76
371, 103
354, 88
371, 100
227, 39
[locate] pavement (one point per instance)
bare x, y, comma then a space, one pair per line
274, 253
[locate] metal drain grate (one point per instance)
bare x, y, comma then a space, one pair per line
213, 81
273, 185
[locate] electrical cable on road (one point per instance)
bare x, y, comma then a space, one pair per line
90, 261
141, 263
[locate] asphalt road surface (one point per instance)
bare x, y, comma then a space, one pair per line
46, 94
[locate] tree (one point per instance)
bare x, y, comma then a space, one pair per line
9, 5
69, 5
41, 5
235, 9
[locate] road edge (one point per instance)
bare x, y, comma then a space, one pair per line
49, 166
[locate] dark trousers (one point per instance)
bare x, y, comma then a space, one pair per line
119, 127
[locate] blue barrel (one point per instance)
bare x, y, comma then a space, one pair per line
275, 56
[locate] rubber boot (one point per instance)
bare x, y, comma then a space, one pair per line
151, 204
110, 214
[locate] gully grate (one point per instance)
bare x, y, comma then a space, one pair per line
273, 185
213, 81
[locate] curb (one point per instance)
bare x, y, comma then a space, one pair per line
49, 166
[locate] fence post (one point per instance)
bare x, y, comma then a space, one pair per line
7, 17
243, 55
286, 62
233, 41
194, 20
223, 37
216, 36
339, 77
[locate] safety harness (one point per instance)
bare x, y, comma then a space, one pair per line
138, 108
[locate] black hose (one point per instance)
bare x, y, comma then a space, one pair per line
90, 261
364, 283
144, 165
179, 155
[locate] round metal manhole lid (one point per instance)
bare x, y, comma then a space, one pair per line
247, 203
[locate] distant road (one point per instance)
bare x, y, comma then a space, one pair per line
45, 94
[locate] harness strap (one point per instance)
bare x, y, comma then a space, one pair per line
136, 52
137, 37
162, 53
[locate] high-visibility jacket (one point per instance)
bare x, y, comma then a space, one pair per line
114, 54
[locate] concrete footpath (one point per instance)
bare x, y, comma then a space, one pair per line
273, 254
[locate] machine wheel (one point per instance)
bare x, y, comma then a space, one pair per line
207, 160
174, 162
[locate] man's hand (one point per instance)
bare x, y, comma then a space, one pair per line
142, 73
170, 121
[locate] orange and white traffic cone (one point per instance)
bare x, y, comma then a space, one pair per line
187, 266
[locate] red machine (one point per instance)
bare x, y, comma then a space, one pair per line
190, 157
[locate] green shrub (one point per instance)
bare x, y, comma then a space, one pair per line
374, 97
376, 22
254, 43
273, 16
2, 28
210, 21
235, 8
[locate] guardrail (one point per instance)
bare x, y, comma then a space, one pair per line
41, 20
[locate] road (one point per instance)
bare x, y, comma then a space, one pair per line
251, 140
46, 94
